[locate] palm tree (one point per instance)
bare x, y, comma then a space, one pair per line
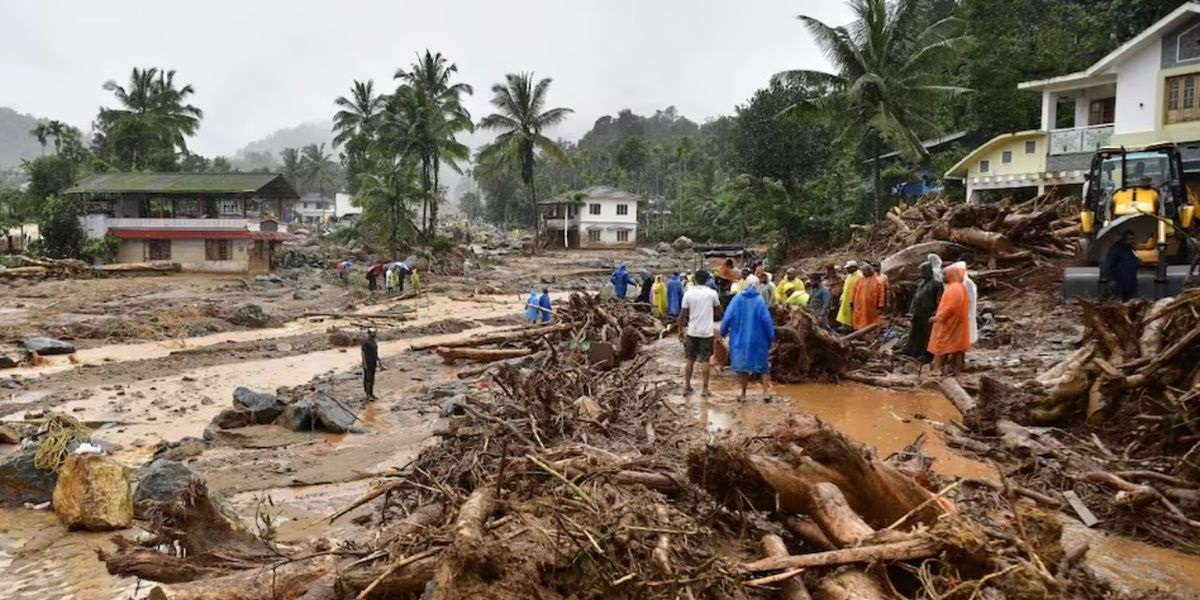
358, 112
434, 114
292, 168
42, 133
384, 196
154, 120
882, 92
317, 168
520, 121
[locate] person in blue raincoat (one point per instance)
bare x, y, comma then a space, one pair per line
674, 295
748, 324
531, 307
544, 304
621, 280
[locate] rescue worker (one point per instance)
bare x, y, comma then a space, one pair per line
950, 337
748, 324
545, 307
868, 299
845, 315
531, 307
783, 291
620, 281
658, 296
923, 307
818, 299
674, 295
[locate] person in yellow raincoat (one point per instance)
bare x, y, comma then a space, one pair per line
783, 291
658, 296
845, 315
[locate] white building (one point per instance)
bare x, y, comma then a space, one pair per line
312, 209
343, 206
1144, 91
598, 217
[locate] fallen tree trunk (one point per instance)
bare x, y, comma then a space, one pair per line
990, 241
793, 587
955, 393
285, 582
496, 338
145, 267
481, 354
917, 547
839, 523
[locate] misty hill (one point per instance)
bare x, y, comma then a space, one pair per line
312, 132
15, 141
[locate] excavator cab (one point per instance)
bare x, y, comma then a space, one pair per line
1140, 191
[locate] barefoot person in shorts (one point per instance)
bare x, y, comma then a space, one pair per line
698, 313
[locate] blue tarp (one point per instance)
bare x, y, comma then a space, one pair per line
748, 324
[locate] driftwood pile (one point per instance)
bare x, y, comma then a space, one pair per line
40, 268
806, 351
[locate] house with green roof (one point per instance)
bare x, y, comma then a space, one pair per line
211, 222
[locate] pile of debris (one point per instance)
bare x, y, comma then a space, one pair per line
804, 350
40, 268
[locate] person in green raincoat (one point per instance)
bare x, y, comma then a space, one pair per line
923, 306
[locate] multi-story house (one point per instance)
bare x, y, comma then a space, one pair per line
601, 217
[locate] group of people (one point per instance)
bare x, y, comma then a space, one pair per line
539, 308
391, 273
943, 311
746, 321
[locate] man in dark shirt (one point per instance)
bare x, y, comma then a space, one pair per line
1121, 266
370, 360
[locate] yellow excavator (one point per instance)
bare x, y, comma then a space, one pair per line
1138, 190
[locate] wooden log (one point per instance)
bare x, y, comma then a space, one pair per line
497, 338
144, 563
955, 393
468, 533
793, 587
1068, 232
807, 529
287, 581
974, 237
23, 272
916, 547
839, 523
146, 267
852, 584
904, 265
484, 355
898, 222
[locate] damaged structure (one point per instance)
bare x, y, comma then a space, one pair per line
213, 222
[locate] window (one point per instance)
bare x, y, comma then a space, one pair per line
985, 166
1181, 101
231, 207
159, 249
1006, 156
594, 234
1031, 147
218, 250
1100, 112
623, 234
622, 209
593, 209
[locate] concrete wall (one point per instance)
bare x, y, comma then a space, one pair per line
190, 254
608, 212
608, 236
1022, 162
1182, 45
1139, 92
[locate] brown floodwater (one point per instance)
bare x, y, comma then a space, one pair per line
886, 419
1136, 565
40, 560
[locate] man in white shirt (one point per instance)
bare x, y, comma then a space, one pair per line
699, 307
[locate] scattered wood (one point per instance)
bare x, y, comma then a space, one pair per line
485, 355
793, 585
914, 548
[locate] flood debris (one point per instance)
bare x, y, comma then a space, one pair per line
93, 493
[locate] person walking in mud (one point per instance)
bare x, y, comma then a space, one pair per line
751, 331
370, 361
696, 329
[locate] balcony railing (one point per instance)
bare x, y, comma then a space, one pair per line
1080, 139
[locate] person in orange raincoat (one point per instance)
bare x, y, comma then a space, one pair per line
951, 335
870, 294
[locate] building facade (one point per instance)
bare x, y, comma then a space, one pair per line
314, 209
1143, 92
598, 217
211, 222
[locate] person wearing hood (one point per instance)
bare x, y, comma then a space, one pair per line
1121, 266
768, 291
845, 314
935, 265
870, 294
658, 296
531, 307
950, 337
674, 295
972, 304
783, 290
644, 290
620, 281
544, 304
748, 324
923, 306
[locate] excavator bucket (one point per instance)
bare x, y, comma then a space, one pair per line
1090, 283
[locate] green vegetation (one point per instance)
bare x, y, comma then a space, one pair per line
62, 234
150, 125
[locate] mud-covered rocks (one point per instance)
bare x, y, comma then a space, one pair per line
297, 416
232, 418
93, 493
250, 315
318, 411
45, 346
682, 244
340, 339
9, 435
8, 362
263, 408
21, 481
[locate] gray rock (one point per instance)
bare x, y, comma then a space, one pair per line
454, 407
48, 346
8, 362
330, 415
9, 383
21, 481
682, 244
250, 315
264, 408
165, 480
297, 416
662, 248
303, 295
233, 418
188, 447
445, 390
647, 252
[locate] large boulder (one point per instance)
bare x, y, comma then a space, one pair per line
330, 415
45, 346
21, 481
263, 408
250, 315
682, 244
662, 248
9, 435
192, 514
8, 362
163, 481
233, 418
93, 493
297, 416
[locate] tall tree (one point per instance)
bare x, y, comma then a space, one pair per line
292, 168
151, 124
882, 92
520, 119
357, 114
317, 169
435, 116
385, 195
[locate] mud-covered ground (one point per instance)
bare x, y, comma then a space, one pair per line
158, 358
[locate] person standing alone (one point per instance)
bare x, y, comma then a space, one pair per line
698, 313
370, 361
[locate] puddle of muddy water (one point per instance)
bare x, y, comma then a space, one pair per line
882, 418
40, 560
1136, 565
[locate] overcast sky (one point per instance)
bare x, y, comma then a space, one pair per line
259, 65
